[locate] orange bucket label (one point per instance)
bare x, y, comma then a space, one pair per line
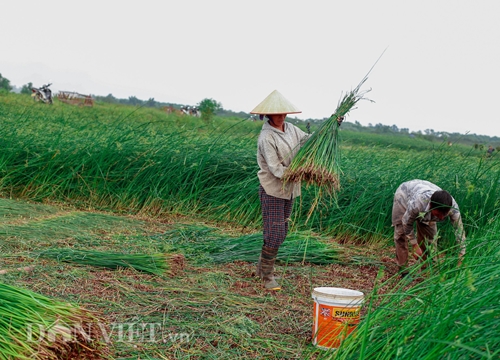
331, 324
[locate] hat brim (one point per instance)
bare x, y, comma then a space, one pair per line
275, 103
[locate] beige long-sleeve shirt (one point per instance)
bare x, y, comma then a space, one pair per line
412, 203
275, 151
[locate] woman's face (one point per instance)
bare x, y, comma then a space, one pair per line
277, 118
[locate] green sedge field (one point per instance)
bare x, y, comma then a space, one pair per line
180, 196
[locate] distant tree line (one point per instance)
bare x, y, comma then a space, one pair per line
210, 107
131, 100
428, 134
5, 84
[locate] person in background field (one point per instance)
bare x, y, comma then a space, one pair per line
278, 143
422, 203
490, 150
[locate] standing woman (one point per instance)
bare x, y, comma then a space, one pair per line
278, 143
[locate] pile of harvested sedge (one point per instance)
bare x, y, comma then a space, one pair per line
33, 326
318, 161
157, 264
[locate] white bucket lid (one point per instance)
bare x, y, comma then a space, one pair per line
334, 293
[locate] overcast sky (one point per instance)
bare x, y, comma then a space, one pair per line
440, 69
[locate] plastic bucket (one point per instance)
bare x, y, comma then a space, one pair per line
335, 315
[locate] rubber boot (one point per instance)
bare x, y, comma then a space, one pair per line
268, 257
258, 271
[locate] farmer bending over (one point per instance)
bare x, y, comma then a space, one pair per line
423, 203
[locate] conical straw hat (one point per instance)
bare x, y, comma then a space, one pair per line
275, 103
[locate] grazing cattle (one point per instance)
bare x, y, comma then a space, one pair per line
168, 109
194, 111
191, 110
184, 110
171, 110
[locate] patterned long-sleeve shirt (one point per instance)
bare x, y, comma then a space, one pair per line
275, 151
412, 203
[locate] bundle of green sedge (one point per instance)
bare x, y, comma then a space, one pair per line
318, 161
156, 264
33, 326
204, 245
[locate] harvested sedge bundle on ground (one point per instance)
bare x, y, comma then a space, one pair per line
33, 326
299, 247
156, 264
318, 161
203, 245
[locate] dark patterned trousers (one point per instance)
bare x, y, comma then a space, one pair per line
425, 239
276, 216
